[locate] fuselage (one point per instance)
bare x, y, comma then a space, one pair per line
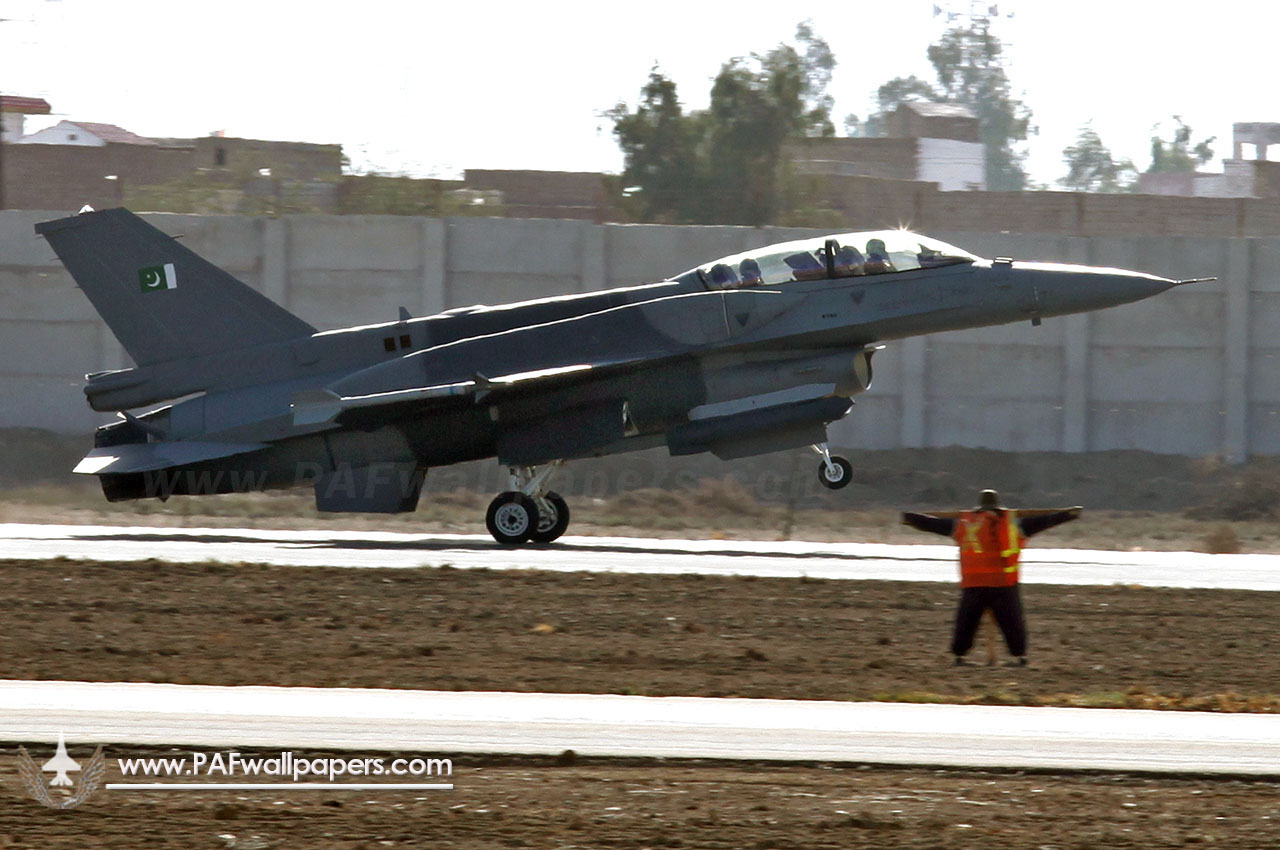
744, 338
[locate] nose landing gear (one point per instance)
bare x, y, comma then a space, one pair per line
834, 472
528, 511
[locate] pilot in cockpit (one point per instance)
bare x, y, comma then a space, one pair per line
878, 260
750, 271
722, 276
847, 261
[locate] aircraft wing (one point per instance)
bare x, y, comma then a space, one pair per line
149, 457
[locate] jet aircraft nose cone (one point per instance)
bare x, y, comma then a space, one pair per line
1124, 286
1061, 288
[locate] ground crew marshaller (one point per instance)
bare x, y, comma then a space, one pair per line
991, 540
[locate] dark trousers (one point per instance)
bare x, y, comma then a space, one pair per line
1005, 602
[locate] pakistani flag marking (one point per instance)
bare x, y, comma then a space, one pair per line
155, 278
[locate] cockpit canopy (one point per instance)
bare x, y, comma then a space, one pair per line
844, 255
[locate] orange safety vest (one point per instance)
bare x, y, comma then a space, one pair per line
990, 542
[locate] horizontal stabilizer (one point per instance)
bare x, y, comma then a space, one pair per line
149, 457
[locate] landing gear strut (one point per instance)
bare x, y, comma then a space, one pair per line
834, 472
528, 511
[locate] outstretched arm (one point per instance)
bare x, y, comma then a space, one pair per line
1036, 524
929, 522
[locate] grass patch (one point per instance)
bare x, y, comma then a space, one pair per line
1226, 702
921, 697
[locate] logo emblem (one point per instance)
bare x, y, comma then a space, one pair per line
156, 278
60, 765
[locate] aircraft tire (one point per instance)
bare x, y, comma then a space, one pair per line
551, 524
844, 468
512, 518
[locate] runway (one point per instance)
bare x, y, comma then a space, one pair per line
451, 724
448, 723
787, 559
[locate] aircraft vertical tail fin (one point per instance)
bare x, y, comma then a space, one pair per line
161, 300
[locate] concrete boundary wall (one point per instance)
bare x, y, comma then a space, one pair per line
1195, 371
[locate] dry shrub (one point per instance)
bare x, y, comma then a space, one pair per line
1239, 493
1221, 540
942, 488
650, 502
460, 497
728, 494
713, 498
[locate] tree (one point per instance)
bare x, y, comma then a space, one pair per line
889, 97
817, 62
1177, 153
969, 66
658, 145
725, 164
757, 105
1091, 168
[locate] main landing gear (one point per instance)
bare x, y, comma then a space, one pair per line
834, 472
528, 511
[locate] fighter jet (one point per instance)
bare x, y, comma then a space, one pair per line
751, 353
61, 764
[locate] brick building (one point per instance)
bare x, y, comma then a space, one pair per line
545, 194
73, 163
932, 142
1240, 177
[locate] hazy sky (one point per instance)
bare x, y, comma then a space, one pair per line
433, 88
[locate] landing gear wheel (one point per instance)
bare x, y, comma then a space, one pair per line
838, 475
512, 518
553, 518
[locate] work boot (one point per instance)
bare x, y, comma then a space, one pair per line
1020, 661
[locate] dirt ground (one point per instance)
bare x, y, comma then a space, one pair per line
505, 803
443, 628
527, 631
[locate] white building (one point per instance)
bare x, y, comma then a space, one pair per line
948, 151
84, 133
